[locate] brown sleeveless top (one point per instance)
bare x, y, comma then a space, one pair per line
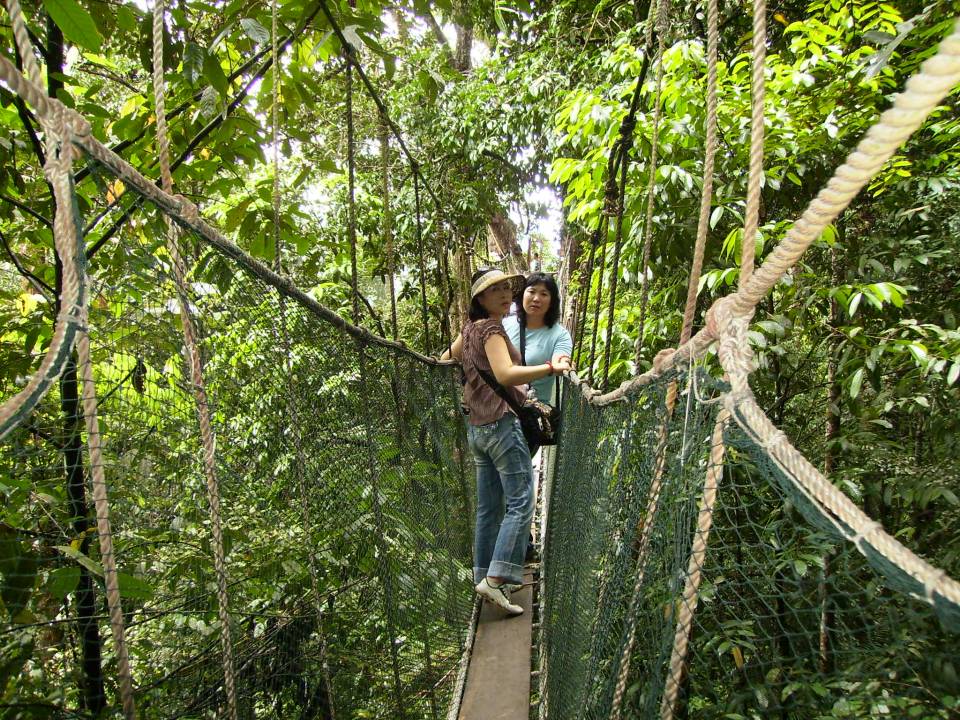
484, 403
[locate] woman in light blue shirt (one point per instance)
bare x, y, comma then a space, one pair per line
545, 339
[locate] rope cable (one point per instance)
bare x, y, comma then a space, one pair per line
351, 187
580, 324
70, 328
754, 183
68, 243
195, 365
605, 227
651, 190
423, 271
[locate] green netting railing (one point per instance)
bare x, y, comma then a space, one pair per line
792, 622
346, 503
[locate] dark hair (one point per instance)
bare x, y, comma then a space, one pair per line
477, 311
553, 312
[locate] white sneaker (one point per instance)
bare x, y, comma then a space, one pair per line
513, 587
498, 595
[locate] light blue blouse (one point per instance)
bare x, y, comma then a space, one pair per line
542, 344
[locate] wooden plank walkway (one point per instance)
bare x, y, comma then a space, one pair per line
498, 678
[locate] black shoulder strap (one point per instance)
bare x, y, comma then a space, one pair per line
499, 389
523, 343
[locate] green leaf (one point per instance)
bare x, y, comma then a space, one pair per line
126, 19
854, 304
954, 373
76, 23
134, 587
716, 216
62, 581
918, 351
91, 565
255, 31
193, 59
214, 74
855, 382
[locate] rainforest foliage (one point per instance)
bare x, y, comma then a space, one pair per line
858, 347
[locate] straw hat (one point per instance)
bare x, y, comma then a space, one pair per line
492, 277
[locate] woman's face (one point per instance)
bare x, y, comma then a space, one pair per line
497, 299
536, 300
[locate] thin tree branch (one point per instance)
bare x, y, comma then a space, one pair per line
105, 238
29, 211
27, 118
198, 138
39, 284
91, 69
440, 37
179, 110
373, 313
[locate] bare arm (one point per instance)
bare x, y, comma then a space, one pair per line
509, 374
563, 348
454, 351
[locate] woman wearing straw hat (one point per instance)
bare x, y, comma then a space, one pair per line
504, 471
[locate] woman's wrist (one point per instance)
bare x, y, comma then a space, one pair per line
549, 368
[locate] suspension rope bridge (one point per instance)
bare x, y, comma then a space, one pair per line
660, 491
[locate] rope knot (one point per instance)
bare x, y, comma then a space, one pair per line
611, 197
661, 359
728, 326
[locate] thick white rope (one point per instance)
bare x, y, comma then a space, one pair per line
58, 169
58, 126
924, 91
104, 530
195, 367
849, 520
755, 180
698, 553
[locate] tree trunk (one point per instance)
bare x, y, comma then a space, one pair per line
92, 693
464, 25
387, 222
504, 234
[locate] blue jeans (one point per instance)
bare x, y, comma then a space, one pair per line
504, 480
